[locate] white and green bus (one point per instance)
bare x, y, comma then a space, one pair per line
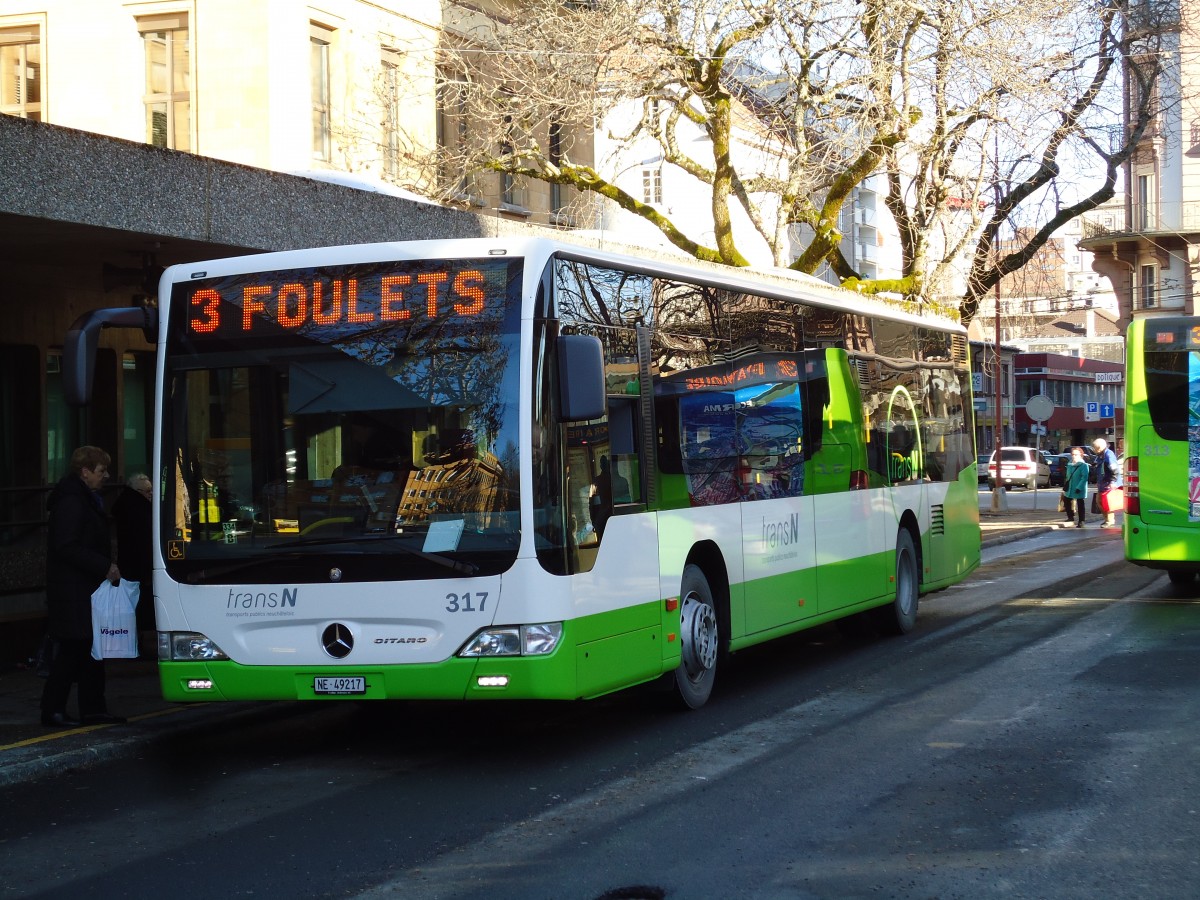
482, 469
1162, 435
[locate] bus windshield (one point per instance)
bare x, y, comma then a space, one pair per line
342, 423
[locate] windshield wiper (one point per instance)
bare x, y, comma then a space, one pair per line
202, 575
289, 551
453, 564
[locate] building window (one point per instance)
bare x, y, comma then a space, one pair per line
137, 405
512, 187
452, 135
391, 115
63, 422
20, 411
1148, 286
554, 152
1145, 203
319, 39
21, 72
652, 185
168, 97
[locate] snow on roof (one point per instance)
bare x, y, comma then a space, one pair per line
361, 183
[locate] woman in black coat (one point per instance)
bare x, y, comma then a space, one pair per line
78, 559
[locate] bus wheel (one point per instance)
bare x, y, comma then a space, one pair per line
900, 615
1181, 578
700, 637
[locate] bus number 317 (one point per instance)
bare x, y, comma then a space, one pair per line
466, 602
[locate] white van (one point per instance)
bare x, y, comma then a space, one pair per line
1023, 466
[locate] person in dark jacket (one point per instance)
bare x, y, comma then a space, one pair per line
78, 559
1108, 476
132, 517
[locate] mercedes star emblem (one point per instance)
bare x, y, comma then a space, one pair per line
337, 640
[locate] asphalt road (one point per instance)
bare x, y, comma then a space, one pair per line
1034, 737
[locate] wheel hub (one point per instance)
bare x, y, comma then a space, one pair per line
698, 622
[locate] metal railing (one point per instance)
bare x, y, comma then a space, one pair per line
1163, 217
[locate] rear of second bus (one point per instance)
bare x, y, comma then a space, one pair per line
1162, 466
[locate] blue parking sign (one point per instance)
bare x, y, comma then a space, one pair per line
1092, 406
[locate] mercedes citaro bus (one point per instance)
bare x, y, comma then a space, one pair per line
485, 469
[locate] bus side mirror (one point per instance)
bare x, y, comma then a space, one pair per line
581, 387
79, 347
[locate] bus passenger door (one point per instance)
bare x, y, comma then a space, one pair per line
777, 516
906, 465
851, 508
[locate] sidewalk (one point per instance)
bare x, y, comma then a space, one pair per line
1000, 528
29, 751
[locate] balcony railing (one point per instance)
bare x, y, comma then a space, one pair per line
866, 252
1168, 216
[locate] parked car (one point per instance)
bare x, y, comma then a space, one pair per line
1023, 466
1088, 457
982, 465
1058, 466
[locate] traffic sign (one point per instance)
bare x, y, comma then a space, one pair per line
1106, 410
1040, 407
1091, 411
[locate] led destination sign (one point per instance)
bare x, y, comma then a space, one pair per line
759, 372
301, 300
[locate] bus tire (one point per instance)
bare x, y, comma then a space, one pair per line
700, 639
1182, 578
900, 616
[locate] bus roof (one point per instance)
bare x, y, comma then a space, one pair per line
775, 283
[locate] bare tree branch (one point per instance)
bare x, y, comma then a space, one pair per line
975, 114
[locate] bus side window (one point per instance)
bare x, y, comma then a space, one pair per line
623, 434
769, 424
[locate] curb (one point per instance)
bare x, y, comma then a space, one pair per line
1016, 535
31, 770
38, 765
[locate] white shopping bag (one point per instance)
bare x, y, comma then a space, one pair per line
114, 620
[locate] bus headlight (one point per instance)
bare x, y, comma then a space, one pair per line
515, 640
187, 646
538, 640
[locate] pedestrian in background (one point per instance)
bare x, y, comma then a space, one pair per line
1107, 478
1075, 486
133, 517
609, 487
78, 560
